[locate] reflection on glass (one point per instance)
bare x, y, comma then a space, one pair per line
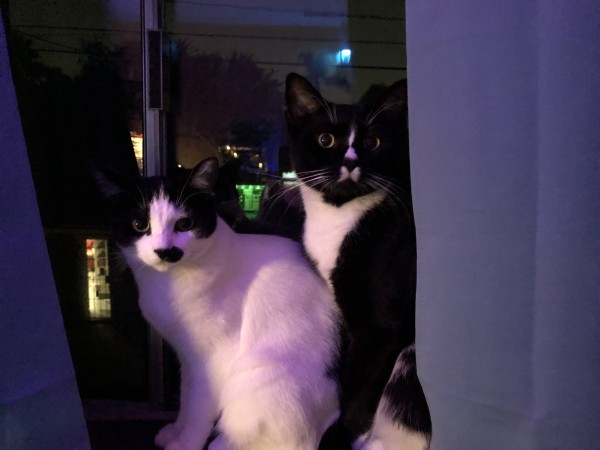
137, 140
229, 61
343, 57
77, 75
97, 274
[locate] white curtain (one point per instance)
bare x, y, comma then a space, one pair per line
504, 104
39, 402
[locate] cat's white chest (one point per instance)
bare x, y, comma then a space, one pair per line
326, 226
177, 302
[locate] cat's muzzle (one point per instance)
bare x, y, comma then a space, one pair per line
170, 255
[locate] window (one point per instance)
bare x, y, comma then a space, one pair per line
97, 274
80, 85
78, 76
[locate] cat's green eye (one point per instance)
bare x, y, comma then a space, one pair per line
140, 225
184, 224
371, 143
326, 140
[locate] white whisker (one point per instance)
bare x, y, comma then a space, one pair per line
144, 200
190, 196
373, 114
278, 196
329, 112
392, 190
187, 180
270, 175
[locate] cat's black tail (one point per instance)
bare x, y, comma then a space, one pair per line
402, 420
404, 390
403, 414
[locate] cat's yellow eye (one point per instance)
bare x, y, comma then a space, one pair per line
184, 224
326, 140
140, 225
371, 143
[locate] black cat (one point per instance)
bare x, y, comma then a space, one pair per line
353, 168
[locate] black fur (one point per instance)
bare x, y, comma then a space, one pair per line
405, 393
374, 280
129, 199
275, 217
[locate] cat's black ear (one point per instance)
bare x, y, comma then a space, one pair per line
204, 175
301, 97
393, 100
229, 173
395, 96
109, 182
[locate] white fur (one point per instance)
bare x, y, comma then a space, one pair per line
326, 225
163, 216
385, 434
325, 228
388, 435
254, 329
351, 152
344, 174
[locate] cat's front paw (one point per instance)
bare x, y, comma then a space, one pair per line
166, 434
182, 443
373, 445
185, 440
408, 441
220, 443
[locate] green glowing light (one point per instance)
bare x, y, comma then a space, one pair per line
250, 195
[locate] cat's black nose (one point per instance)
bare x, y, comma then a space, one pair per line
171, 255
350, 164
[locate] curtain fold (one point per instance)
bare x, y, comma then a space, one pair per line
39, 402
504, 112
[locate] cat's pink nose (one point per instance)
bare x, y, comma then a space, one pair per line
170, 255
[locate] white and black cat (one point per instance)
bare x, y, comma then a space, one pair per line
255, 328
353, 168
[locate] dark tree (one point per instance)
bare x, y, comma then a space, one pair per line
222, 101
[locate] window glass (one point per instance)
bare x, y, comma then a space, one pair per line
77, 72
78, 75
228, 63
99, 301
230, 59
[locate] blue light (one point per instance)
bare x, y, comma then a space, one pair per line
343, 57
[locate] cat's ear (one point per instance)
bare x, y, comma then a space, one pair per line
109, 182
204, 175
229, 173
301, 97
395, 97
393, 100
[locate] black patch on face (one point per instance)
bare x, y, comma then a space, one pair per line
128, 208
170, 255
339, 193
198, 205
130, 201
